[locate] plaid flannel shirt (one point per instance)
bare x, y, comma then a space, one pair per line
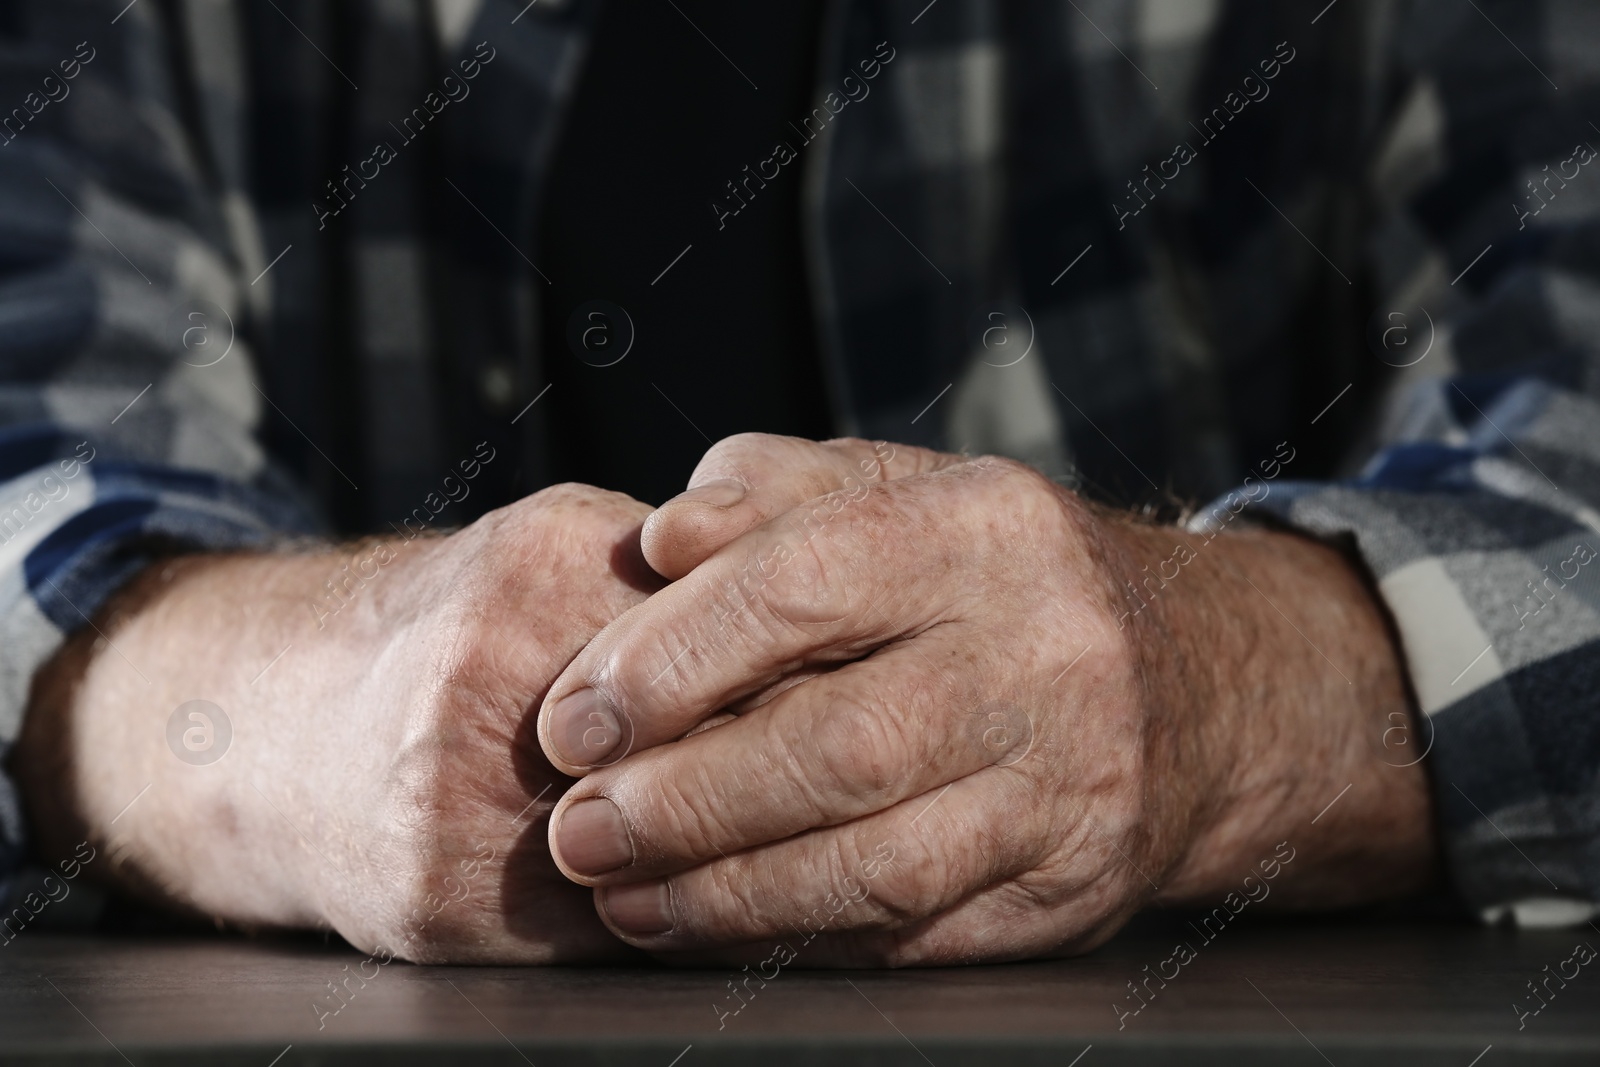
1331, 254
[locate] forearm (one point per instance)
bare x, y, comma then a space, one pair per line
1311, 737
94, 759
379, 779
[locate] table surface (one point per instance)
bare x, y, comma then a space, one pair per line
1275, 991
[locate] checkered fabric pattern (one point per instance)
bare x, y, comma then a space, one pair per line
267, 269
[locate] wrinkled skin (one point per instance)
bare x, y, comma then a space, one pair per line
382, 778
913, 720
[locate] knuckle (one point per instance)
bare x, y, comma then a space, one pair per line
420, 845
1018, 505
1105, 842
560, 493
677, 815
742, 444
1024, 492
412, 917
860, 749
733, 901
799, 576
897, 951
869, 459
530, 517
864, 459
731, 453
647, 665
850, 446
556, 509
809, 563
1005, 468
908, 882
429, 924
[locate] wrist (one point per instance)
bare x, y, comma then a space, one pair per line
208, 827
1272, 674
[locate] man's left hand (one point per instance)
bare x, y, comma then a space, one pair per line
961, 715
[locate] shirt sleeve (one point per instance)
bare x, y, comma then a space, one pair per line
128, 402
1478, 509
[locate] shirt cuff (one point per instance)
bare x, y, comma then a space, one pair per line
1492, 579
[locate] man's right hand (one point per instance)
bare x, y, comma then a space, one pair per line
382, 778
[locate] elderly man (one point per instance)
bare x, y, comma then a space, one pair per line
294, 290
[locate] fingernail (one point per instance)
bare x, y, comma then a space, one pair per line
723, 494
642, 908
592, 838
584, 729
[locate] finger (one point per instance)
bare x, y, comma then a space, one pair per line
744, 481
884, 871
842, 746
964, 934
815, 586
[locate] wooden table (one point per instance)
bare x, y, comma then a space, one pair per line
1272, 991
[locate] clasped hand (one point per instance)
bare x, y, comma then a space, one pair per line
896, 703
905, 707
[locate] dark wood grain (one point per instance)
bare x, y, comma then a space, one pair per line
1344, 991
